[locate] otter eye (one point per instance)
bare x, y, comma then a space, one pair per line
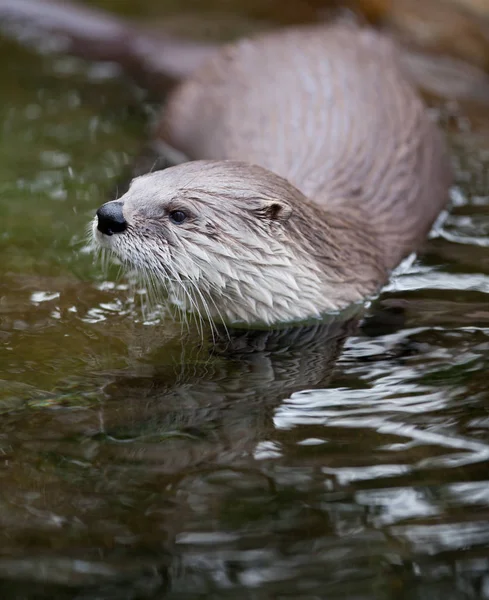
177, 216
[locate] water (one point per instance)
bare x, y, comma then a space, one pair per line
137, 461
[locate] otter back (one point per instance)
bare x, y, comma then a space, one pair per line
329, 108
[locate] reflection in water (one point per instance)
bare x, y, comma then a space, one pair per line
139, 470
207, 402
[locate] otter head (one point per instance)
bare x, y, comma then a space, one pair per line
218, 237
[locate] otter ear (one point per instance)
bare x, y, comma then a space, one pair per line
276, 210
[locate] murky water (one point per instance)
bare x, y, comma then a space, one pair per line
137, 461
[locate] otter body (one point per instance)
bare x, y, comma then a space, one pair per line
313, 166
329, 109
321, 171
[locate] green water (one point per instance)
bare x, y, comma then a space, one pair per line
137, 461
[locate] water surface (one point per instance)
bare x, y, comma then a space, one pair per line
140, 461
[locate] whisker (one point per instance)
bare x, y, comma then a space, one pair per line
183, 252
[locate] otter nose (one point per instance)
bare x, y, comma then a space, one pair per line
110, 218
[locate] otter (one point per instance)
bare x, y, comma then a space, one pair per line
313, 168
319, 171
